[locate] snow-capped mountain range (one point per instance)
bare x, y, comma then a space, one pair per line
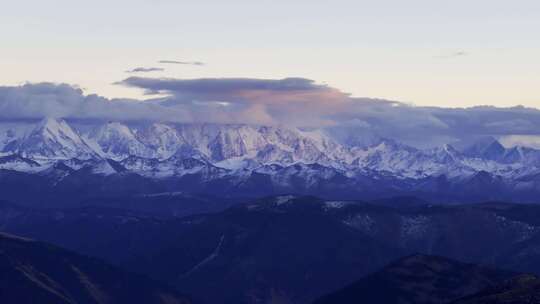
285, 156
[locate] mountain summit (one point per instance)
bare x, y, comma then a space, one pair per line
238, 157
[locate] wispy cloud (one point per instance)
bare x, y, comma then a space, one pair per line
181, 62
145, 70
454, 55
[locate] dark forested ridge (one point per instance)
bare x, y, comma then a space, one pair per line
35, 272
286, 247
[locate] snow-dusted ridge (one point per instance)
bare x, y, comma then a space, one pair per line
160, 150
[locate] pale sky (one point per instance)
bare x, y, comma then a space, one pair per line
438, 53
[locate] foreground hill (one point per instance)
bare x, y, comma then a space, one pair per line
32, 272
419, 279
519, 290
271, 252
246, 254
286, 248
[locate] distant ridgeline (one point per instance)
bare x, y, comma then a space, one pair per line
56, 158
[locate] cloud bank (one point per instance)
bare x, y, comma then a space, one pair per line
145, 70
39, 100
296, 102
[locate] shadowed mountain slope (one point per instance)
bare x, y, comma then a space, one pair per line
32, 272
418, 279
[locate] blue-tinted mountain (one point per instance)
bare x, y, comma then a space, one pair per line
419, 279
79, 159
35, 272
520, 289
272, 248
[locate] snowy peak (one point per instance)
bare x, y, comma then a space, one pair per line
495, 151
491, 149
161, 138
486, 148
447, 154
49, 139
260, 143
115, 140
57, 131
160, 150
227, 144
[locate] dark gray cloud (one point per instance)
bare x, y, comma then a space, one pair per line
303, 102
212, 88
181, 62
145, 70
266, 100
290, 101
429, 126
